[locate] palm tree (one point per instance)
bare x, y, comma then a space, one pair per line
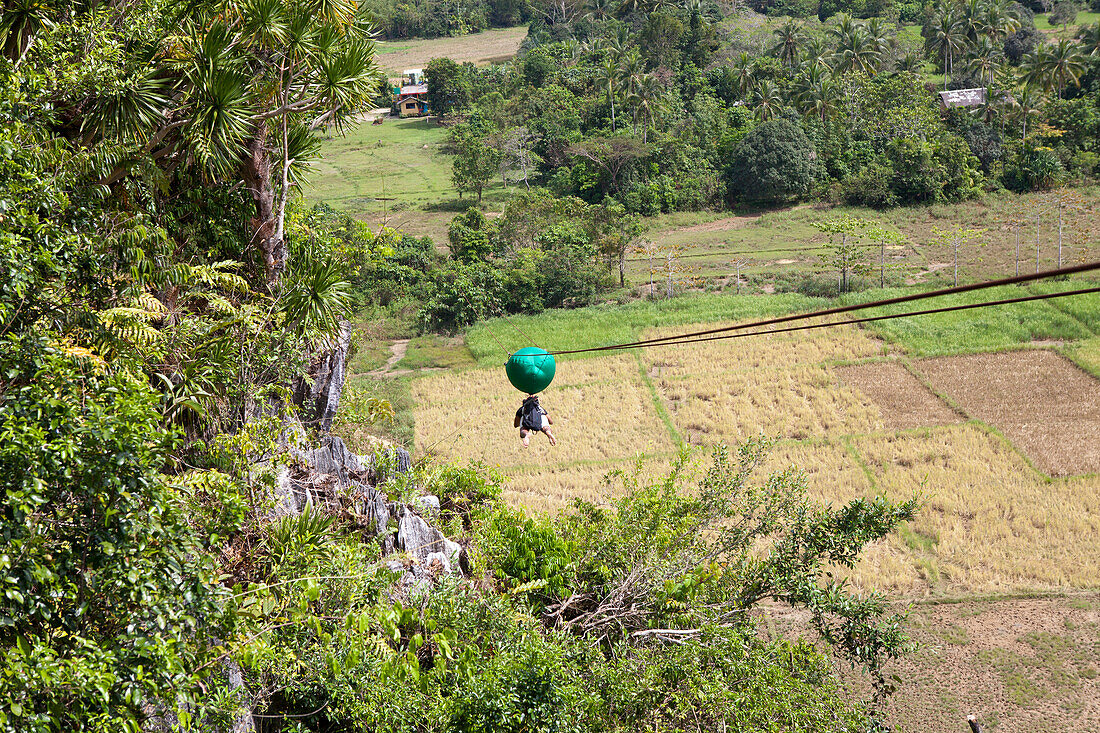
990, 107
1089, 36
983, 59
609, 75
649, 101
631, 72
743, 69
947, 37
817, 93
1066, 64
788, 39
1025, 104
880, 34
911, 62
999, 20
843, 23
1035, 68
600, 9
814, 49
768, 101
972, 16
857, 51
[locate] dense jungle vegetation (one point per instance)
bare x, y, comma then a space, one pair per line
164, 303
616, 113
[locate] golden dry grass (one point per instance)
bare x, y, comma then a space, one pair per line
758, 352
990, 523
469, 414
796, 403
552, 489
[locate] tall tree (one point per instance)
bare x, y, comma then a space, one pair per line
788, 42
946, 37
234, 88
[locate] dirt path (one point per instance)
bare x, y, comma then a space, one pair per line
397, 353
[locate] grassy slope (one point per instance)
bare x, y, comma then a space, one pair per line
488, 47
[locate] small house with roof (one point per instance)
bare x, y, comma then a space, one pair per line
412, 100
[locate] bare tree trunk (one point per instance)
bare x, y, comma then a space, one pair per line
882, 266
1059, 235
256, 173
956, 263
1037, 243
1017, 251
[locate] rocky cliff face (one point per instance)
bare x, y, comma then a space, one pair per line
318, 396
331, 478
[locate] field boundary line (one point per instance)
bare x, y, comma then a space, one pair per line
658, 404
853, 452
943, 396
994, 431
1024, 595
1067, 352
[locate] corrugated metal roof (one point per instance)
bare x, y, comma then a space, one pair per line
963, 97
414, 89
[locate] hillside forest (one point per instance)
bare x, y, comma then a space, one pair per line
188, 546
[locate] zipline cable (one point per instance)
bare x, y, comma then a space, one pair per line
520, 331
1015, 280
869, 319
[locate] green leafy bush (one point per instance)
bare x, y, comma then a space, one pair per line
774, 162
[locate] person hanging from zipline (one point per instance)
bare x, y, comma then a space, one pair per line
531, 416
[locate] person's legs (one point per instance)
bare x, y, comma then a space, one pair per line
550, 435
525, 437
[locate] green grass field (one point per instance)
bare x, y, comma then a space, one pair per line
1042, 23
401, 159
1075, 318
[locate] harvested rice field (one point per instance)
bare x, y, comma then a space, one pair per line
999, 568
1047, 406
1015, 664
469, 415
1003, 448
903, 401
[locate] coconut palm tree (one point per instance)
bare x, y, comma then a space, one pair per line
947, 37
999, 20
816, 92
880, 34
788, 40
649, 102
911, 62
843, 23
631, 71
1066, 63
1026, 103
1035, 68
983, 59
743, 77
814, 49
1089, 38
972, 17
857, 51
768, 101
609, 74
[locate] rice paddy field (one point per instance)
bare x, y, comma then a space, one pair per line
991, 416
